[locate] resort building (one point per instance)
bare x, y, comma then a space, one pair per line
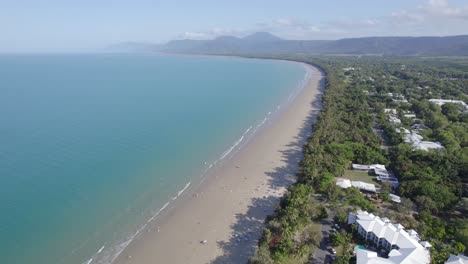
402, 246
460, 259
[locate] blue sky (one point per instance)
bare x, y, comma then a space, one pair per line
54, 25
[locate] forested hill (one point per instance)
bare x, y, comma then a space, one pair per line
399, 46
266, 43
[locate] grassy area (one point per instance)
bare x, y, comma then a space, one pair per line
363, 176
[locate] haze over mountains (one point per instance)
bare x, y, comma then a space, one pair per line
264, 43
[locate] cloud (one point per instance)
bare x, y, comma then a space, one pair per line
442, 8
351, 23
210, 34
283, 21
296, 24
434, 17
194, 35
403, 17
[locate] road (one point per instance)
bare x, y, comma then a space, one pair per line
322, 255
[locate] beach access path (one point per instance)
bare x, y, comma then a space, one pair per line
223, 218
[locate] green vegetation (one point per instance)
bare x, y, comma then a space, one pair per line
432, 183
363, 176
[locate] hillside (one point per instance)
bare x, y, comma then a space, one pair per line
406, 46
266, 43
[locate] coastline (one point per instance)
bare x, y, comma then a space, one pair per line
228, 207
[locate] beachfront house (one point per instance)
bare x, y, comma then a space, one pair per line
363, 186
378, 169
402, 246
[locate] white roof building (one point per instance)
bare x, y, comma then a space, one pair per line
394, 120
402, 129
403, 248
395, 198
364, 186
427, 145
412, 138
379, 169
410, 116
441, 102
460, 259
361, 167
345, 184
417, 142
390, 111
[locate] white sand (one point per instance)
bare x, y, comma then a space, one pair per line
229, 208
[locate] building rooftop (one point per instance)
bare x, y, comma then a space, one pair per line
444, 101
379, 169
417, 142
408, 247
427, 145
394, 120
410, 116
402, 129
460, 259
395, 198
345, 183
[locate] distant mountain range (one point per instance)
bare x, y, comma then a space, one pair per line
266, 43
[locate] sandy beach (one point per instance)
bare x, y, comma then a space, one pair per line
222, 218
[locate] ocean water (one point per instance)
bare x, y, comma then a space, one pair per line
94, 146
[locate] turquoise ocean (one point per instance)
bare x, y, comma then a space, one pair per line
93, 146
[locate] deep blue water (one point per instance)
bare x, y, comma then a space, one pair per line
92, 146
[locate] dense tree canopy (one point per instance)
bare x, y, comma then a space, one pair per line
433, 184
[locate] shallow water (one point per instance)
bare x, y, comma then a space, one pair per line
93, 146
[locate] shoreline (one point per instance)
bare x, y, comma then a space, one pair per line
230, 203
